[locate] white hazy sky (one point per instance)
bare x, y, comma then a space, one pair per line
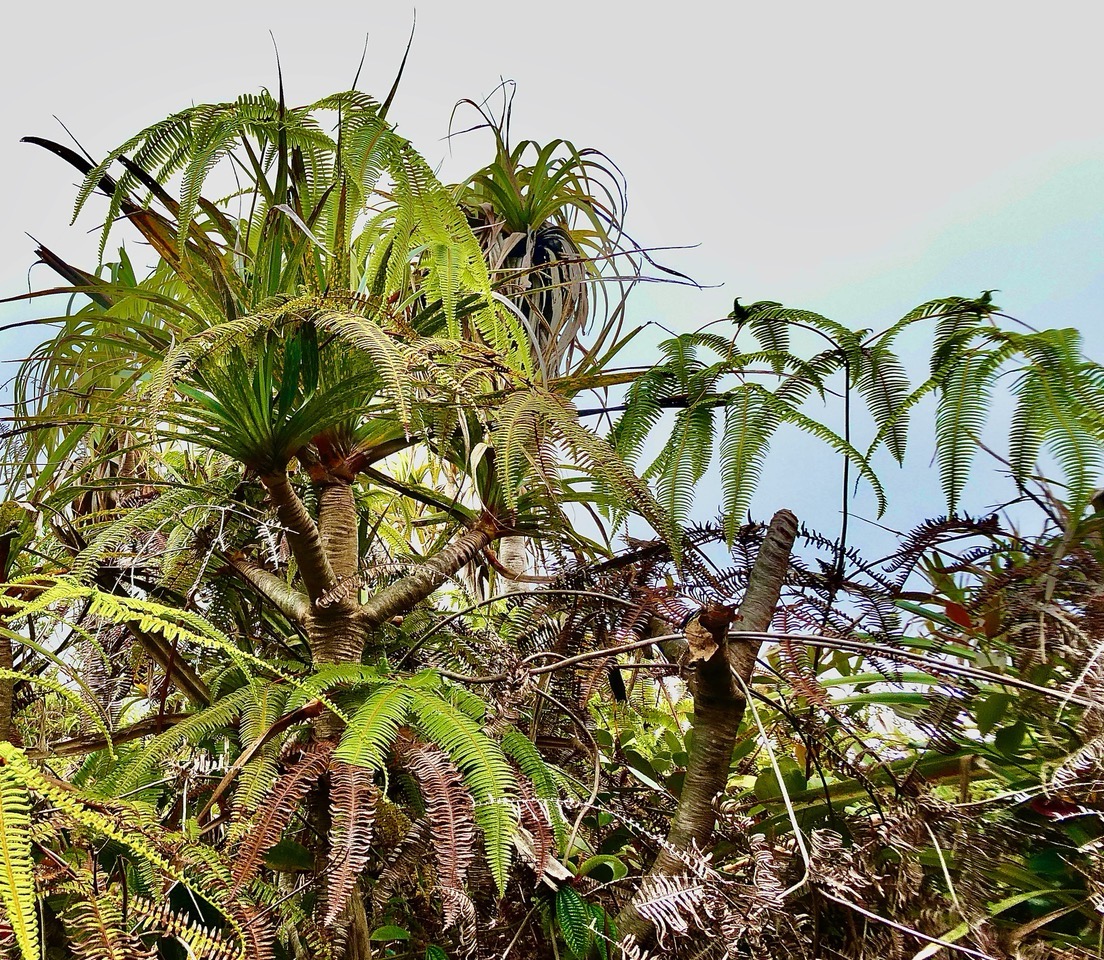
852, 158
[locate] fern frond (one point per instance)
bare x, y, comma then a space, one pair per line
137, 768
202, 942
373, 727
96, 930
17, 887
449, 812
748, 426
282, 803
540, 774
353, 798
486, 772
960, 416
884, 385
686, 458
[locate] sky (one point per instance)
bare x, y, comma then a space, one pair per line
851, 158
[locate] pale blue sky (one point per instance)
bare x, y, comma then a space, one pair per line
852, 158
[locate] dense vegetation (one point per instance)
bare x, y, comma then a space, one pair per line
353, 604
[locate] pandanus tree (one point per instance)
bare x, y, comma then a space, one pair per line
251, 495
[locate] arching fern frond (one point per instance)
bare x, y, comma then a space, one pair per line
486, 773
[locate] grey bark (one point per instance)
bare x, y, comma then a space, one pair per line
719, 705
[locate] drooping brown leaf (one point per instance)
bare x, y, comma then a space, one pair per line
353, 798
450, 812
534, 819
278, 809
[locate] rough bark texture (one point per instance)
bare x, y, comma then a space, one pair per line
719, 705
338, 525
302, 534
336, 634
289, 601
400, 597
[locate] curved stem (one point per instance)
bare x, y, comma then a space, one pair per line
302, 534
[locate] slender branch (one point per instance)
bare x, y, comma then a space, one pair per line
89, 743
181, 673
302, 533
285, 598
451, 508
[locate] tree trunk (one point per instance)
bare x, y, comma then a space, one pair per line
302, 535
719, 705
338, 527
400, 597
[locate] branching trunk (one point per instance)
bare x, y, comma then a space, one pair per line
719, 705
302, 534
400, 597
289, 601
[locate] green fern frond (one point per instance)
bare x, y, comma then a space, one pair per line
749, 424
687, 456
17, 887
960, 416
373, 727
545, 780
486, 772
138, 767
125, 826
884, 384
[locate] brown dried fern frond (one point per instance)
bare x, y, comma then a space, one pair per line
353, 798
278, 809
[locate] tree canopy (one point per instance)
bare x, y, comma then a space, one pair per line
355, 603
